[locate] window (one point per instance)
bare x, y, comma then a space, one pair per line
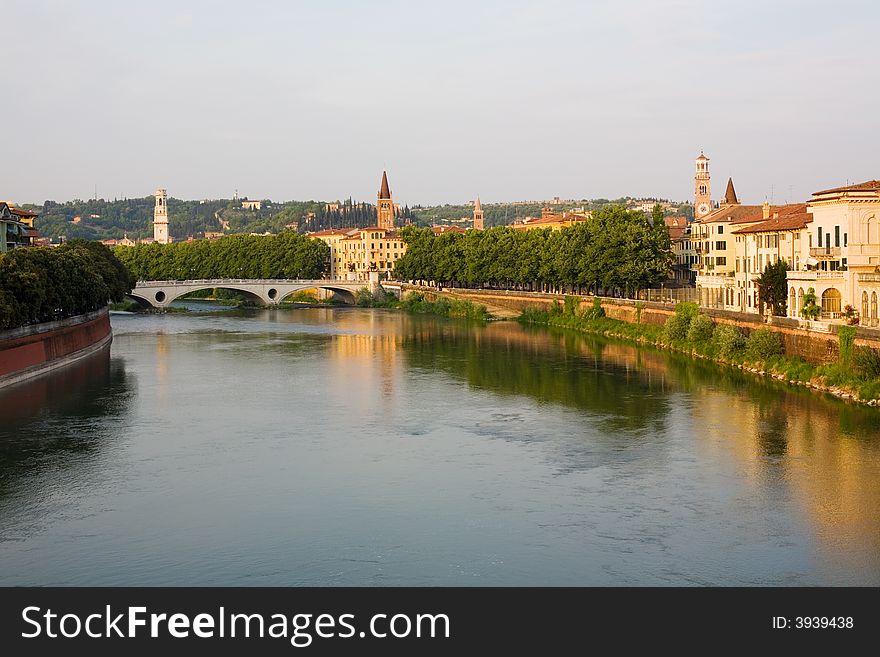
720, 230
819, 235
737, 265
720, 246
720, 261
864, 306
837, 236
844, 239
831, 300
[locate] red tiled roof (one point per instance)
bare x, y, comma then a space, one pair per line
734, 214
782, 217
867, 186
439, 230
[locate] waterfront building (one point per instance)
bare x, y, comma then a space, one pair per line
478, 215
714, 243
779, 235
356, 252
682, 248
841, 255
160, 218
17, 227
385, 205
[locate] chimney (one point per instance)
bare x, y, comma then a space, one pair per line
766, 210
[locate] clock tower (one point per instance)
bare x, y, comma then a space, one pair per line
702, 188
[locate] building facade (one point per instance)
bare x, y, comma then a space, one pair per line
356, 252
841, 254
160, 217
702, 187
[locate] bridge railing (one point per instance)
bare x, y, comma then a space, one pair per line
250, 281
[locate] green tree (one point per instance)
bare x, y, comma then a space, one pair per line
773, 287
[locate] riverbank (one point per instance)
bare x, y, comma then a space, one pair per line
31, 351
854, 377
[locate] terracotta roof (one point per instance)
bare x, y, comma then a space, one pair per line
22, 213
782, 217
384, 192
675, 222
477, 206
733, 214
867, 186
331, 231
730, 194
702, 157
439, 230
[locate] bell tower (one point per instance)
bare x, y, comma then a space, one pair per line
702, 188
160, 217
384, 205
478, 215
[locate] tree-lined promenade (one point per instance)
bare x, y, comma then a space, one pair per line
616, 252
287, 255
45, 284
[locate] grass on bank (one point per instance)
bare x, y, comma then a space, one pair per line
417, 303
690, 331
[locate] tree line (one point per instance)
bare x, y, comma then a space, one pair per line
47, 284
288, 255
616, 252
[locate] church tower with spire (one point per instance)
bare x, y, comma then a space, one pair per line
384, 205
478, 215
730, 195
702, 188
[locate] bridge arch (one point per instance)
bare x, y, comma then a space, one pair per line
159, 294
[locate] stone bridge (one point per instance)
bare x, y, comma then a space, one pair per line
159, 294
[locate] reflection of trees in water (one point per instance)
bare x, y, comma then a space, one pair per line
779, 408
60, 415
561, 368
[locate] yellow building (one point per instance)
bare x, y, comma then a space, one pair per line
355, 252
552, 220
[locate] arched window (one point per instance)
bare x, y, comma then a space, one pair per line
792, 303
800, 304
873, 308
831, 302
864, 308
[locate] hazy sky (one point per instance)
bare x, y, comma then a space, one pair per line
511, 100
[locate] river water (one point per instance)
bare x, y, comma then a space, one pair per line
369, 447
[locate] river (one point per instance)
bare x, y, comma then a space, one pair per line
369, 447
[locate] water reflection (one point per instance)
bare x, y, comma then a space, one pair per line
355, 446
59, 420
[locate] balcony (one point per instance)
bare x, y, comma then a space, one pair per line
869, 278
813, 275
825, 252
701, 250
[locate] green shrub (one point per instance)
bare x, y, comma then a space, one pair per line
700, 330
846, 336
676, 328
867, 362
810, 309
596, 311
571, 305
729, 339
763, 344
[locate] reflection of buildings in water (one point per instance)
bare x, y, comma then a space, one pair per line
794, 444
361, 361
162, 365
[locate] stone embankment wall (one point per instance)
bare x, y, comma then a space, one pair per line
814, 344
33, 350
